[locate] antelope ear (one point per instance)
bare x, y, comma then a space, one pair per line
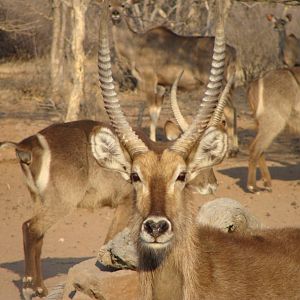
271, 18
172, 131
211, 151
108, 152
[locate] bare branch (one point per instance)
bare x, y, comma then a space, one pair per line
13, 26
285, 2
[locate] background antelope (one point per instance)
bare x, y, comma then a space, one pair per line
62, 173
275, 102
202, 263
158, 55
289, 45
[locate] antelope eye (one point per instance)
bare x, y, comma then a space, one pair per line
181, 176
123, 5
134, 177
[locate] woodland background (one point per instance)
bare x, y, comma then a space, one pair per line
55, 43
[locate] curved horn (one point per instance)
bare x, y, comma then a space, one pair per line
174, 105
185, 143
217, 116
111, 102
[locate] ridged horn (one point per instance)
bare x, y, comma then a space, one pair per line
174, 104
209, 102
217, 116
112, 106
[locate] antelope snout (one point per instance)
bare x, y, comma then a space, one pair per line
115, 15
156, 230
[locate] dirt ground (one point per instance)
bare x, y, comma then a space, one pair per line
79, 236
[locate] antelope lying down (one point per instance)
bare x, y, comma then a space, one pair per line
157, 55
178, 259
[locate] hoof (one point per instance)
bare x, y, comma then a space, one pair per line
232, 152
253, 189
268, 189
28, 293
41, 291
30, 289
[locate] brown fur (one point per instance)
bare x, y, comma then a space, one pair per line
289, 45
158, 55
275, 102
206, 263
75, 180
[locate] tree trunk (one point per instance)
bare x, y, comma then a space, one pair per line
178, 19
79, 8
146, 9
60, 10
210, 6
55, 59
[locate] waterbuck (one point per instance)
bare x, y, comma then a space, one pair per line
156, 57
289, 45
275, 102
64, 171
177, 258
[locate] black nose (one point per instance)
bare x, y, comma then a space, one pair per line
156, 228
115, 13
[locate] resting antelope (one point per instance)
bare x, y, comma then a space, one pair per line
63, 172
275, 102
156, 57
177, 258
289, 45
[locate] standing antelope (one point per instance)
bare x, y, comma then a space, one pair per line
179, 259
157, 55
275, 102
289, 45
62, 173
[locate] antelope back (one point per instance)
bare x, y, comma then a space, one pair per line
292, 51
58, 160
191, 53
276, 94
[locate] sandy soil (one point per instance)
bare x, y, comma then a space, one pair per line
81, 234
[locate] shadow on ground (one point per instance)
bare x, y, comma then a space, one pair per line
51, 267
286, 172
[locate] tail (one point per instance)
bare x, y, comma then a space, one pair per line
7, 144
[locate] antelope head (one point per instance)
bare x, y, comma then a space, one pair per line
279, 23
118, 8
161, 180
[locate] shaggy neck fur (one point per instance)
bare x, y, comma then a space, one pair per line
163, 273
